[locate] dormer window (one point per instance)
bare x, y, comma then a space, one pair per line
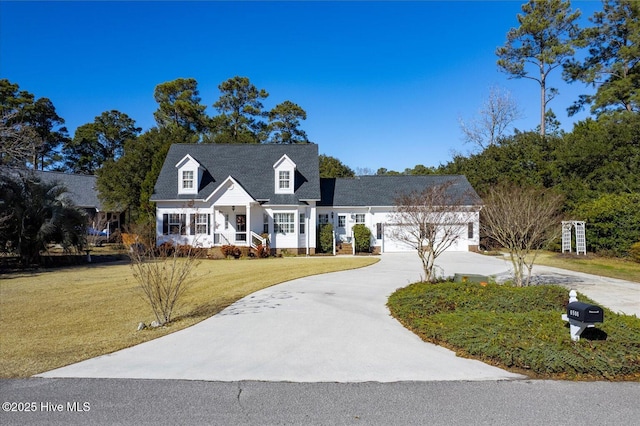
189, 175
187, 179
284, 179
284, 170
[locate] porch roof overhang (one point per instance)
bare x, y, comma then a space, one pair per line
222, 187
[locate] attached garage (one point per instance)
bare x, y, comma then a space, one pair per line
466, 239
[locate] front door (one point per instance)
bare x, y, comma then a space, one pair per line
341, 229
241, 227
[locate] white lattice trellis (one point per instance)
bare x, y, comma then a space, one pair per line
581, 241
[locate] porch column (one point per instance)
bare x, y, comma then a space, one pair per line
213, 225
248, 225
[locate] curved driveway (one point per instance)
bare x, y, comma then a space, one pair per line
326, 328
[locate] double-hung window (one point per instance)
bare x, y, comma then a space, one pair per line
199, 223
284, 179
187, 179
302, 224
174, 224
360, 218
284, 223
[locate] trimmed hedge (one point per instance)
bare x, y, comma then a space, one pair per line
520, 329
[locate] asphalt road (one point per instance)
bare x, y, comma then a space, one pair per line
171, 402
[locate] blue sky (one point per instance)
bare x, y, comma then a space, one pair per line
383, 83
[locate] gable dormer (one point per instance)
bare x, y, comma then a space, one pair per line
285, 171
189, 175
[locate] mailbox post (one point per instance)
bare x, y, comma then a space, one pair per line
581, 316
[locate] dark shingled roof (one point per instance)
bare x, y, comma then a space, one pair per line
382, 190
250, 165
81, 189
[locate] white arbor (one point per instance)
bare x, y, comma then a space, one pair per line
581, 241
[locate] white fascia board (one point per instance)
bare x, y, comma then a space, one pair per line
292, 206
187, 158
183, 200
284, 158
220, 188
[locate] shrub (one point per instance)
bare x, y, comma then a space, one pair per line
231, 251
262, 251
326, 238
362, 236
613, 223
165, 249
162, 277
519, 328
634, 252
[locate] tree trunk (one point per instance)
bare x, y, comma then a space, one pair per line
543, 106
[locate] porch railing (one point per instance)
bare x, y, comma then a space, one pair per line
257, 240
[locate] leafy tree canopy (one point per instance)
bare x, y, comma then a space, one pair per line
613, 62
331, 167
179, 105
100, 141
544, 41
241, 112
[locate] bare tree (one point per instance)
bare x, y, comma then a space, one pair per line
17, 141
164, 274
95, 236
522, 220
497, 114
433, 220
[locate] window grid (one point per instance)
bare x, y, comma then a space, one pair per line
283, 179
202, 222
284, 223
187, 179
176, 226
360, 218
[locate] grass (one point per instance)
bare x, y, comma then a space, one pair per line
519, 329
53, 318
592, 264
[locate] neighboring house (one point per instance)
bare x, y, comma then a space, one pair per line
212, 195
82, 191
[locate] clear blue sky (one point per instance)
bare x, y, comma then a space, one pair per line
383, 83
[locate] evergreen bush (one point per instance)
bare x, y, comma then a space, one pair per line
613, 223
362, 236
326, 238
520, 328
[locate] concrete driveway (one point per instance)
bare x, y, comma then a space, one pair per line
327, 328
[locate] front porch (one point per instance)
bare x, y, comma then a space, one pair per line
232, 226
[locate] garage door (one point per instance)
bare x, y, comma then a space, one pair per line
392, 245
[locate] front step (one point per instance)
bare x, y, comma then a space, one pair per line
344, 248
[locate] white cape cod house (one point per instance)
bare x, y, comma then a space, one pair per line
212, 195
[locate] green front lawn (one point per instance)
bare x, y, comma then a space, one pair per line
519, 329
592, 264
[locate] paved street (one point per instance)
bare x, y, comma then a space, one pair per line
172, 402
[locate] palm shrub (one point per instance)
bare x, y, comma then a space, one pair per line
34, 213
362, 236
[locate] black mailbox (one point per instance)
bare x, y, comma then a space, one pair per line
585, 312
